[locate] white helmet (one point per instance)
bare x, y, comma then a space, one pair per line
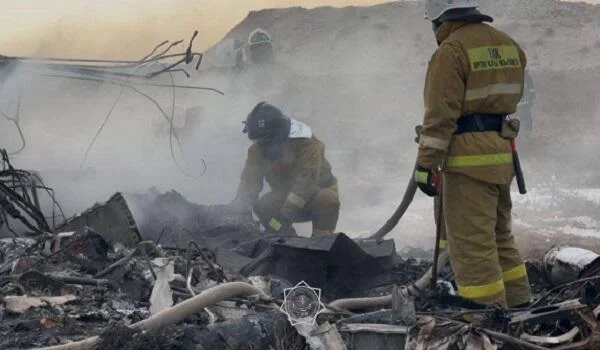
435, 8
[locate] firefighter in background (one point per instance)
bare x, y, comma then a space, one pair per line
260, 45
474, 80
292, 160
525, 106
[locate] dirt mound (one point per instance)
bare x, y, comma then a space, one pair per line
395, 37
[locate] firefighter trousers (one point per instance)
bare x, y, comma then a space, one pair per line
322, 209
487, 265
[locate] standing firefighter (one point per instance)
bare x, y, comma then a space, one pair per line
292, 160
474, 80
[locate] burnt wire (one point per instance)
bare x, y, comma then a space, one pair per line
173, 134
170, 120
104, 70
33, 212
117, 63
561, 288
207, 261
154, 50
7, 223
16, 121
156, 104
14, 180
112, 108
164, 115
120, 82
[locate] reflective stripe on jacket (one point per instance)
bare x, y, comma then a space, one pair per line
476, 69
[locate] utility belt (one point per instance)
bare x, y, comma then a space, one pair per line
507, 128
479, 122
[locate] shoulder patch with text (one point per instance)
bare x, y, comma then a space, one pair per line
494, 57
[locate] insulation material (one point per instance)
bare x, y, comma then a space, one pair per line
162, 295
565, 264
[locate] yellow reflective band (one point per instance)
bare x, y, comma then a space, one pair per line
494, 57
421, 176
479, 160
514, 273
275, 225
494, 89
443, 244
433, 142
481, 291
296, 200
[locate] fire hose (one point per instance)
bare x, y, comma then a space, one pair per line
412, 290
411, 189
409, 195
176, 313
422, 283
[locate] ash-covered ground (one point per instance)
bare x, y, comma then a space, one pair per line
355, 75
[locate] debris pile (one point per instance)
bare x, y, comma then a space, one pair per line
154, 271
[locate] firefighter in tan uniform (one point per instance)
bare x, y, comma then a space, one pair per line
292, 160
474, 80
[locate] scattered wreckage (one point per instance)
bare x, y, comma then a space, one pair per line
154, 271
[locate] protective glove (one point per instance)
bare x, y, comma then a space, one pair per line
279, 223
427, 180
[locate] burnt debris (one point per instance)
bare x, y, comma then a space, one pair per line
153, 270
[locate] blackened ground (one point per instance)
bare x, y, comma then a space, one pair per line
262, 331
402, 273
169, 338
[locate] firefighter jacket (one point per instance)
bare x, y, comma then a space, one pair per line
298, 174
476, 69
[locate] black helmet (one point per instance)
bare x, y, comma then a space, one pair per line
267, 123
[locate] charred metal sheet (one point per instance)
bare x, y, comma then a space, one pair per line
570, 324
173, 221
261, 331
364, 336
335, 263
36, 283
430, 334
167, 219
564, 264
86, 248
113, 220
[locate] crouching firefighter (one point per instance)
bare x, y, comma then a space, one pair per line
474, 80
292, 160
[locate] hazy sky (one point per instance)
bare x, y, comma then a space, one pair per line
118, 28
125, 28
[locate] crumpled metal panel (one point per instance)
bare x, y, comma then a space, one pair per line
569, 325
374, 336
335, 263
564, 264
113, 220
432, 334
